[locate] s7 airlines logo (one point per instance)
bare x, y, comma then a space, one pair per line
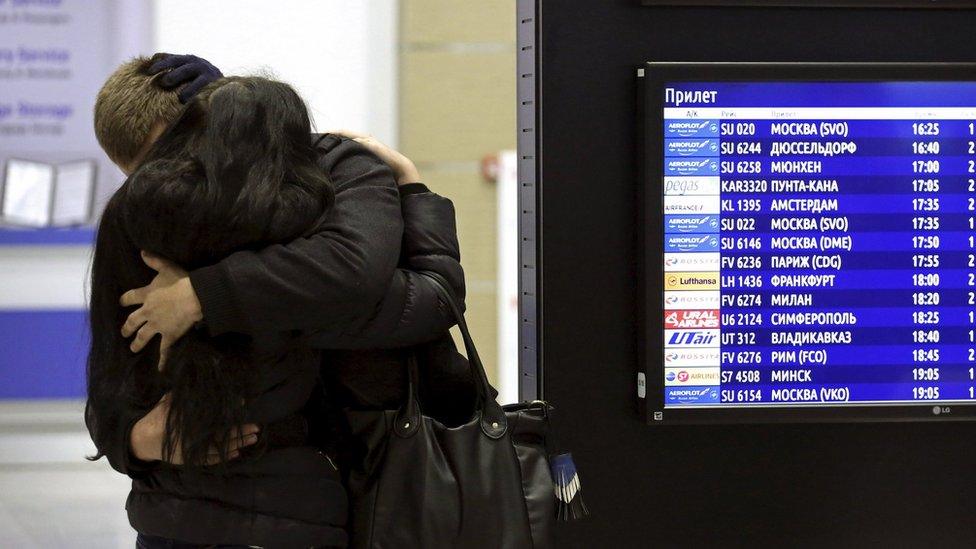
691, 319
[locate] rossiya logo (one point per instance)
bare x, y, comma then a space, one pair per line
691, 318
692, 261
692, 358
692, 299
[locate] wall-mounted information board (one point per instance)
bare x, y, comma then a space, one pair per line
810, 241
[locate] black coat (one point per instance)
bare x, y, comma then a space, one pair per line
339, 289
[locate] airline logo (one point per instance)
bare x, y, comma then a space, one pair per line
691, 147
691, 205
692, 358
691, 281
692, 300
690, 243
691, 319
690, 128
690, 338
679, 186
691, 166
691, 395
691, 223
691, 376
691, 261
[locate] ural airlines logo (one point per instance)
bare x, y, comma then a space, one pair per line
690, 128
691, 338
691, 318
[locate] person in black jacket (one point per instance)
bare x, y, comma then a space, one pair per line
339, 285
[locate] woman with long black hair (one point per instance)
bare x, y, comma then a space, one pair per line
236, 171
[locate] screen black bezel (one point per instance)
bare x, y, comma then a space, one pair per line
652, 77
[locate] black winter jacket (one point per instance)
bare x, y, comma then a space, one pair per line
342, 288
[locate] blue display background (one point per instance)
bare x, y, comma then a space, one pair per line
877, 180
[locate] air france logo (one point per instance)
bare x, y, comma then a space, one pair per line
691, 147
691, 166
691, 243
690, 128
703, 223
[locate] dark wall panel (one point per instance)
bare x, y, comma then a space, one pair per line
837, 485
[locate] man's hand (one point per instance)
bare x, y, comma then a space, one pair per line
403, 168
189, 71
169, 307
147, 435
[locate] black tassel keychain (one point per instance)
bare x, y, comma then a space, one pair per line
569, 495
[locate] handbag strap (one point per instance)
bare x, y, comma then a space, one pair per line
493, 420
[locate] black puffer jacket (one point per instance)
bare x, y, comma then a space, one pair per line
342, 286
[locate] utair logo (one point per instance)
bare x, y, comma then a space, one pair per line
692, 337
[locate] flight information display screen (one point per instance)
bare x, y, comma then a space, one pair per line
818, 243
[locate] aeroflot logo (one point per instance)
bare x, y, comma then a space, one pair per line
691, 223
691, 243
691, 147
690, 128
689, 166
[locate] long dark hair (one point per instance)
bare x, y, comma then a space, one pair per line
235, 171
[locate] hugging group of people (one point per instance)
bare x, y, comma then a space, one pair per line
250, 280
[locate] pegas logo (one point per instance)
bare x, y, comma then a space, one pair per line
686, 261
691, 395
694, 299
691, 147
691, 319
692, 358
690, 128
679, 186
690, 166
691, 338
691, 223
691, 243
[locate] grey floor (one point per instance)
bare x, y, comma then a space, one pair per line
50, 496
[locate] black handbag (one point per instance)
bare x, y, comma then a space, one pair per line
483, 484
